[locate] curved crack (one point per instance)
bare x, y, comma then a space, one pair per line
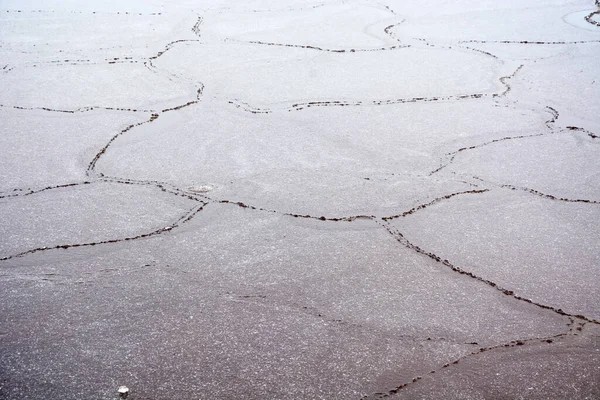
548, 196
305, 216
511, 344
434, 201
86, 12
503, 80
590, 18
396, 234
28, 191
92, 164
450, 157
590, 134
182, 220
321, 48
78, 110
345, 103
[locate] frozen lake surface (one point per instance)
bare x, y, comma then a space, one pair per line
335, 199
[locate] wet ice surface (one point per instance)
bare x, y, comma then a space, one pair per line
292, 200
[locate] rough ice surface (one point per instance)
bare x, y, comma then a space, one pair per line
337, 199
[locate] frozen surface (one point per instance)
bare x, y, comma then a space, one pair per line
485, 375
239, 73
95, 212
553, 256
287, 199
562, 165
252, 303
38, 149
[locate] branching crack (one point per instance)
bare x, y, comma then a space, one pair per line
402, 239
511, 344
437, 200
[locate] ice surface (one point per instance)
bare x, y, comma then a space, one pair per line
553, 257
38, 149
95, 212
317, 25
288, 199
267, 305
526, 367
561, 165
296, 75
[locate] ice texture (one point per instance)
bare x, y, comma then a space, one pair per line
289, 199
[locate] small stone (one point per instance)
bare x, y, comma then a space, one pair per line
123, 392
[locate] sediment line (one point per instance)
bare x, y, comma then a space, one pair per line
305, 216
487, 53
196, 27
164, 187
323, 49
92, 164
396, 234
111, 61
589, 18
28, 191
590, 134
182, 220
513, 343
452, 155
437, 200
503, 80
388, 30
169, 46
78, 110
343, 103
448, 47
84, 12
548, 196
455, 153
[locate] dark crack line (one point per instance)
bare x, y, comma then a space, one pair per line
448, 47
450, 157
512, 344
435, 201
170, 45
388, 30
305, 216
590, 18
29, 191
396, 234
196, 27
263, 299
92, 164
78, 110
84, 12
487, 53
455, 153
324, 49
182, 220
344, 103
110, 61
503, 80
590, 134
548, 196
164, 187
